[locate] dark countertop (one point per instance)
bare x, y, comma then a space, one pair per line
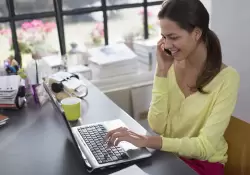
35, 141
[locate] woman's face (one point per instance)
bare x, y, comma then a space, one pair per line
180, 42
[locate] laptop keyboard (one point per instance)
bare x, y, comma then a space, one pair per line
94, 138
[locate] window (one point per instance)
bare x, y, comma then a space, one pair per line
3, 9
33, 6
85, 30
73, 4
125, 22
208, 5
83, 23
153, 22
5, 41
39, 35
119, 2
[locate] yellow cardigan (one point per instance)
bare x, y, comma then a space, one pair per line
194, 127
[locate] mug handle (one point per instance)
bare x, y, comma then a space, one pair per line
86, 92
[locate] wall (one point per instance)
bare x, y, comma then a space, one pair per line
231, 21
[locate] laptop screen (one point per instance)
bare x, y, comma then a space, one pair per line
66, 128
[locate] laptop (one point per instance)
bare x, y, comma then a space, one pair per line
90, 143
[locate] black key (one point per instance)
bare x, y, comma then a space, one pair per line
109, 160
114, 158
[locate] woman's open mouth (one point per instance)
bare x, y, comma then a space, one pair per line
174, 52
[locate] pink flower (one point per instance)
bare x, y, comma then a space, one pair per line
49, 26
5, 32
150, 14
20, 35
27, 26
141, 12
37, 23
102, 33
99, 26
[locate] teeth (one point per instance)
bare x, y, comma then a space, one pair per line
173, 52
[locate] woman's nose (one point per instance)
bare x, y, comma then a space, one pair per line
167, 44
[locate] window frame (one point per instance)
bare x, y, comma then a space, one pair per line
59, 13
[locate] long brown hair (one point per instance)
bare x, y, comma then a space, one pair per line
189, 14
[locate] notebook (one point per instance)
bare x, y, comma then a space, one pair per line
9, 88
9, 83
134, 169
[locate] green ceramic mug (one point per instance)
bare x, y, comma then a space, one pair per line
72, 108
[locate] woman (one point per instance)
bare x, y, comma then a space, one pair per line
194, 93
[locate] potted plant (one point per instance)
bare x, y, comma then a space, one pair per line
152, 23
97, 34
32, 39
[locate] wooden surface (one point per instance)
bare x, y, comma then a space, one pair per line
238, 138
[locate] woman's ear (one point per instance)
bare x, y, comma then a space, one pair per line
197, 32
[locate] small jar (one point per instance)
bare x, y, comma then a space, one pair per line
77, 56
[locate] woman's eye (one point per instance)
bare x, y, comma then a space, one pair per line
173, 37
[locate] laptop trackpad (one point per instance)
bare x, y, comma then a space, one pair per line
131, 150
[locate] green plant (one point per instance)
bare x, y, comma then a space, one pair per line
24, 48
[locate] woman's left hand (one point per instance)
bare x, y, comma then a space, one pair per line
114, 137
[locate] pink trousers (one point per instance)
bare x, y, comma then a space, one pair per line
205, 167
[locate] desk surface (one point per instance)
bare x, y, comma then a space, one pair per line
34, 141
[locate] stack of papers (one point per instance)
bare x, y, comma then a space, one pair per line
113, 60
146, 51
9, 87
134, 169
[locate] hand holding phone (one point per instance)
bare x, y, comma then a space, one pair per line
164, 56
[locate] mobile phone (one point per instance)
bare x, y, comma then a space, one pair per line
168, 52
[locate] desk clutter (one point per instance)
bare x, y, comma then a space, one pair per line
12, 92
68, 83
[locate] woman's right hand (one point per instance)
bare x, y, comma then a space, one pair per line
163, 59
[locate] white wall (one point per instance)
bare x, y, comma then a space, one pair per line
231, 21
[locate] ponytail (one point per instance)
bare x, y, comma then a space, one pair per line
213, 62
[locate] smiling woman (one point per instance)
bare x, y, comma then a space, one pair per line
179, 25
193, 94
